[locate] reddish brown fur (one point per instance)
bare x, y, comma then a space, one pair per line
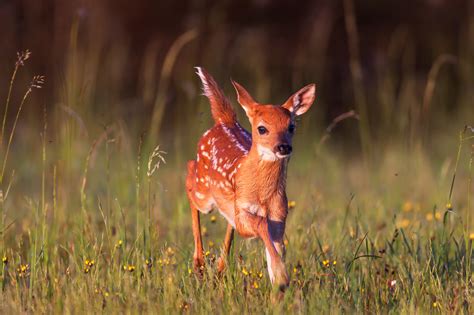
243, 175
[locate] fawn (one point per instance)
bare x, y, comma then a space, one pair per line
243, 174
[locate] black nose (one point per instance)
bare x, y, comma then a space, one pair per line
284, 149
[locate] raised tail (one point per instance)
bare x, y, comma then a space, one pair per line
221, 109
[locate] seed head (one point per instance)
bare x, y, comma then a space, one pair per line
21, 57
156, 156
37, 82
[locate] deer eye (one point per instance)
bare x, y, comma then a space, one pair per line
291, 128
262, 130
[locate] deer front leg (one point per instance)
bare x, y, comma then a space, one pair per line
276, 231
250, 225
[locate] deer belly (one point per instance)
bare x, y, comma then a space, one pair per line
226, 209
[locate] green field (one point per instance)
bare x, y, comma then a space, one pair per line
381, 214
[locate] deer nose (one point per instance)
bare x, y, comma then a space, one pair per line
284, 149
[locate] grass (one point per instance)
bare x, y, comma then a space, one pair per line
94, 220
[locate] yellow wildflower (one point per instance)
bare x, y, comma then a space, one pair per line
5, 259
471, 236
88, 264
326, 263
23, 270
291, 204
245, 272
407, 206
149, 262
429, 217
213, 219
255, 285
404, 223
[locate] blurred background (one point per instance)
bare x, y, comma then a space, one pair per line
109, 56
119, 76
382, 165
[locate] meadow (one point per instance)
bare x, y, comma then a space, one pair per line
94, 214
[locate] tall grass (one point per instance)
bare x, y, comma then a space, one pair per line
94, 220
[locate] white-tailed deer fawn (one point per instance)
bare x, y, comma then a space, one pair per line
243, 174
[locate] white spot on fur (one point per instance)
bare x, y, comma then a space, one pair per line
199, 195
231, 174
234, 139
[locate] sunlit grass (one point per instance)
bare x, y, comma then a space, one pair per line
99, 222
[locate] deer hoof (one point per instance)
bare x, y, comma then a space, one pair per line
281, 278
199, 266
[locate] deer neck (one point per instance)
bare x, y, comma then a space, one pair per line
269, 176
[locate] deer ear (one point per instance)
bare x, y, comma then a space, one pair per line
302, 100
244, 98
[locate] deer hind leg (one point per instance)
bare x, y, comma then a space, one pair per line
196, 224
198, 250
229, 237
